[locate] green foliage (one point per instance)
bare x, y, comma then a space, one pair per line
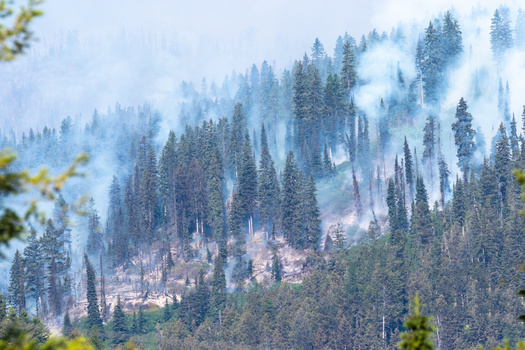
15, 37
420, 330
13, 183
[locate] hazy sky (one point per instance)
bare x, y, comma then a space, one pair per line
187, 40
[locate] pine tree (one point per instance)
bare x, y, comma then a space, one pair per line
94, 318
94, 241
464, 135
67, 327
218, 293
276, 268
348, 75
269, 191
451, 39
310, 216
500, 33
35, 275
141, 321
148, 210
292, 188
357, 197
444, 185
167, 311
167, 166
432, 65
17, 287
103, 306
247, 183
420, 330
409, 170
214, 173
120, 329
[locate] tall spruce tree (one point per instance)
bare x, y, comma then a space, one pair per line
120, 329
291, 201
94, 318
35, 273
432, 65
464, 135
17, 280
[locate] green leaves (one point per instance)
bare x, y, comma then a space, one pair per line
420, 330
15, 37
14, 183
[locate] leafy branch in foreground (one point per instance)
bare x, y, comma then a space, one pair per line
15, 183
420, 330
15, 37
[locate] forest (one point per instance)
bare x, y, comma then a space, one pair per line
297, 208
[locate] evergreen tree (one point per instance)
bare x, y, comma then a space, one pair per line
310, 216
292, 189
348, 74
357, 197
247, 183
120, 329
103, 306
409, 170
500, 33
269, 191
218, 293
432, 65
94, 318
276, 268
17, 279
167, 166
35, 275
464, 135
141, 321
420, 330
67, 327
94, 241
148, 210
167, 311
451, 39
444, 185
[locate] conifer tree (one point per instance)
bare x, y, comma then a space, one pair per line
167, 166
35, 275
148, 210
500, 33
444, 185
420, 331
94, 318
120, 328
464, 135
269, 191
292, 189
247, 183
103, 306
141, 321
348, 75
451, 39
218, 293
357, 197
167, 311
310, 216
432, 65
276, 268
17, 279
214, 171
94, 241
409, 170
67, 327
